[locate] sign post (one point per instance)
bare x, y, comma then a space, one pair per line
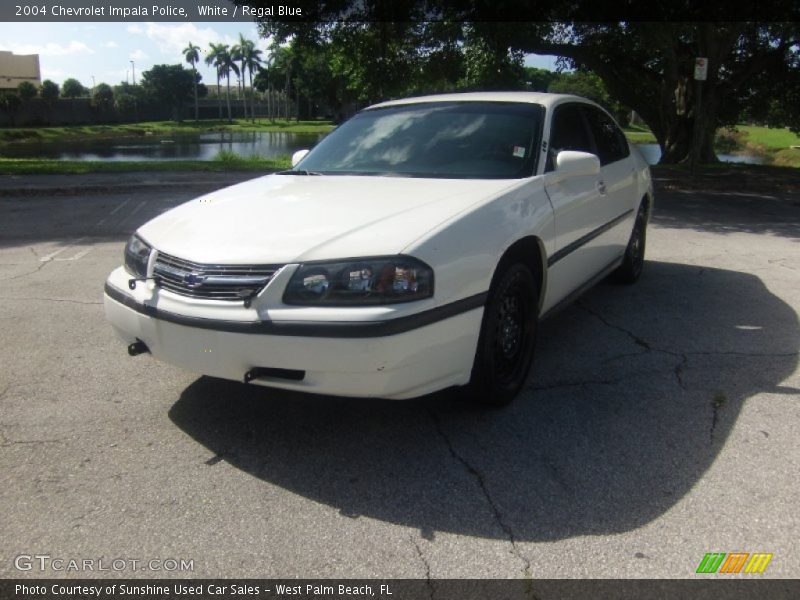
700, 75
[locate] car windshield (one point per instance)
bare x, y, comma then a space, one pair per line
454, 140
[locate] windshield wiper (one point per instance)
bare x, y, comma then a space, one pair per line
297, 172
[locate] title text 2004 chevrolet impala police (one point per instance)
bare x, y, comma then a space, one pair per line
415, 248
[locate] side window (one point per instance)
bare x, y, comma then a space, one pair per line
611, 143
567, 132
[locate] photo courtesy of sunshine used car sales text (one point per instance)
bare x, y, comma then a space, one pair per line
201, 590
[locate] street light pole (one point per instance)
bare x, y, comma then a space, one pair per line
133, 71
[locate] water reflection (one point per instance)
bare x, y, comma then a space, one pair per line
204, 146
652, 154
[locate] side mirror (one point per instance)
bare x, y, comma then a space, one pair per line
298, 156
570, 163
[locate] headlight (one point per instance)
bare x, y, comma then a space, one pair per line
367, 281
137, 253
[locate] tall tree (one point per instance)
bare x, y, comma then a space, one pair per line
252, 61
49, 91
170, 85
214, 57
191, 55
649, 67
238, 53
26, 91
72, 88
226, 66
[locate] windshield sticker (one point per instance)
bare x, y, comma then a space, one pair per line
519, 151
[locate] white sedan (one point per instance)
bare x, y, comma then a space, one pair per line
415, 248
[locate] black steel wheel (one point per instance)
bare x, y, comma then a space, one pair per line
507, 338
633, 262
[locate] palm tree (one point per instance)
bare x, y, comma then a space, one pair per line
252, 62
214, 57
192, 55
239, 52
226, 65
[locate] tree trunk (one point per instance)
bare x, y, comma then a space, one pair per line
196, 109
252, 102
244, 93
219, 97
228, 98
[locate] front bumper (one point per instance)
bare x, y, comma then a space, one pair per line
397, 358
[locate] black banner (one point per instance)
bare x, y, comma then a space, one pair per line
714, 588
395, 10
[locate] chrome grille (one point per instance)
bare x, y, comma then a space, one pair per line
211, 282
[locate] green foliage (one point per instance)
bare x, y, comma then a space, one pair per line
103, 97
489, 65
538, 80
168, 84
72, 88
588, 85
10, 102
26, 90
49, 91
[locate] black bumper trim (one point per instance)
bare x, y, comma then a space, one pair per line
569, 248
337, 329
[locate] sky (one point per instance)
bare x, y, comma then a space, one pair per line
104, 51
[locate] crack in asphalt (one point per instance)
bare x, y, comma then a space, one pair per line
677, 370
479, 478
8, 442
426, 564
21, 275
70, 300
562, 384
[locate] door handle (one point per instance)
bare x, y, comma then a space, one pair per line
601, 187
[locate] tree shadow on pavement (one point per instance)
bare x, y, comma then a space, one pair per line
729, 211
634, 393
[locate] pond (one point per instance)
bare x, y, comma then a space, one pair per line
652, 152
204, 146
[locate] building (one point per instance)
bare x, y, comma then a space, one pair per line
16, 68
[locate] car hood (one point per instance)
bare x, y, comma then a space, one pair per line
293, 218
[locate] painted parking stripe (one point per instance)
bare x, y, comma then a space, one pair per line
109, 215
135, 210
52, 255
79, 255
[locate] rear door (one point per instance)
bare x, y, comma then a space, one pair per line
580, 207
618, 178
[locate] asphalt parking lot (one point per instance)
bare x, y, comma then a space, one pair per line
659, 423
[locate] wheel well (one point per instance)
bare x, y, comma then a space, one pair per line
648, 200
530, 252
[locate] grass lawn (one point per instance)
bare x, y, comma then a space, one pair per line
774, 144
770, 138
157, 128
223, 162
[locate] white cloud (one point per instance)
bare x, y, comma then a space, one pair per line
56, 74
49, 49
111, 44
139, 54
134, 29
172, 39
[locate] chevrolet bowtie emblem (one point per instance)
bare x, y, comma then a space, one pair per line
193, 280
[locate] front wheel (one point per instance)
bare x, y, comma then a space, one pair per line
633, 262
507, 337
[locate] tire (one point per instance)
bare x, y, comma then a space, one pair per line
633, 262
507, 338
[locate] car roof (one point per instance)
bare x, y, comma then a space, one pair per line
545, 99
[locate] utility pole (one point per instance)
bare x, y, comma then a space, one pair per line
133, 72
700, 75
